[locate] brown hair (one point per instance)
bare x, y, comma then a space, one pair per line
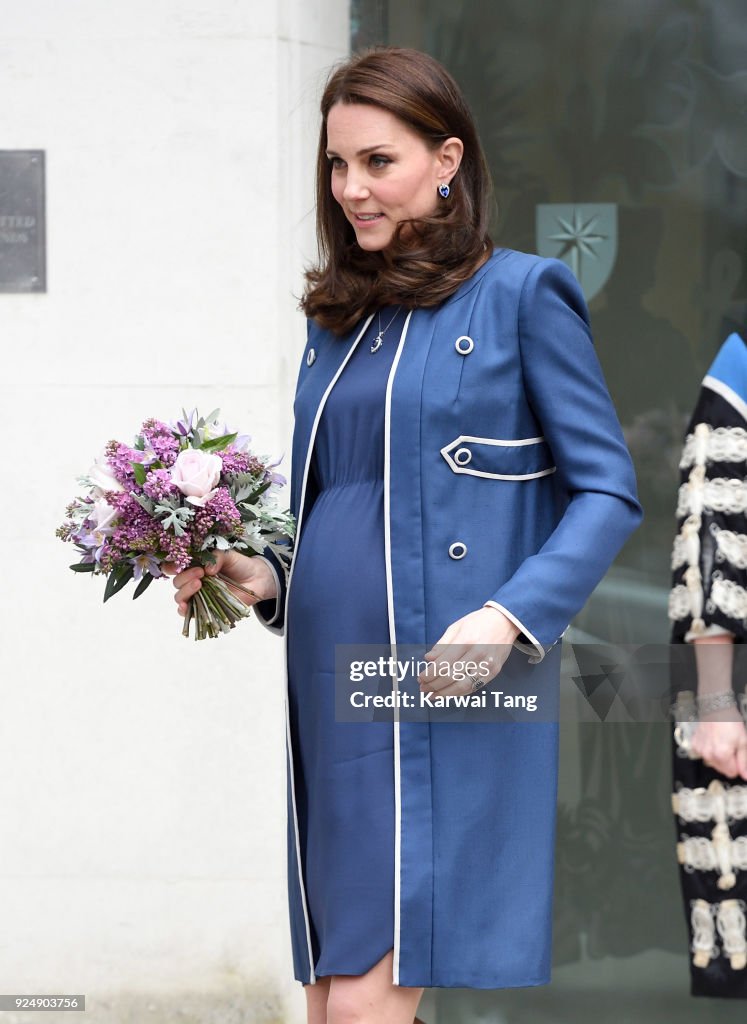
425, 266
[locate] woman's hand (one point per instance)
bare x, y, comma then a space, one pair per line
253, 573
483, 638
722, 744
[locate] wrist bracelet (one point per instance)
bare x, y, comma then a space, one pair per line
716, 702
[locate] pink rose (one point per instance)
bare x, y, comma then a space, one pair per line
196, 474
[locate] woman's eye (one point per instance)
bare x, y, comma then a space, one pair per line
336, 162
380, 161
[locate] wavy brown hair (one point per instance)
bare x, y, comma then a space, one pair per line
428, 263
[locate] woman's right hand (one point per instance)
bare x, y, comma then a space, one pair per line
253, 573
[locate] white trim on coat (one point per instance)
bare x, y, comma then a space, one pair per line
270, 623
538, 651
727, 393
517, 443
309, 452
393, 644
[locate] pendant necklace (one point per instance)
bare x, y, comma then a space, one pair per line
377, 342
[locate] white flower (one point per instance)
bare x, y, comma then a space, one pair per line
103, 515
101, 476
196, 474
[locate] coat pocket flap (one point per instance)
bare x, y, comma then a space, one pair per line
523, 458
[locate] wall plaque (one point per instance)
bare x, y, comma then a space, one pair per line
22, 233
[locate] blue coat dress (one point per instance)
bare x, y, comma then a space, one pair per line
506, 482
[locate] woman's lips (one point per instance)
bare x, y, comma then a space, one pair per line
364, 221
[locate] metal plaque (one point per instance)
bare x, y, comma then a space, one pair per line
22, 234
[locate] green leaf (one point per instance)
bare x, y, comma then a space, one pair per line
118, 578
83, 567
218, 442
143, 585
139, 443
139, 470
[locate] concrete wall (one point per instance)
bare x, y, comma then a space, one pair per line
142, 776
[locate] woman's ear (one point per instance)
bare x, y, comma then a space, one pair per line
450, 155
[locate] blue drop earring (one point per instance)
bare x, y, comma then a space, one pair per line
444, 190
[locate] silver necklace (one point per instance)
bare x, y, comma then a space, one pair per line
377, 342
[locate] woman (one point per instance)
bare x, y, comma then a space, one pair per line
460, 479
708, 609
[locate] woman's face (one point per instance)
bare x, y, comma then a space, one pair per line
383, 172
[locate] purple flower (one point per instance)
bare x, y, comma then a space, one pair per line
158, 485
276, 478
145, 563
185, 427
161, 441
120, 457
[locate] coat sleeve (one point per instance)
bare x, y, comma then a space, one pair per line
271, 613
567, 391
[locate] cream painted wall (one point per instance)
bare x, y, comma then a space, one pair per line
142, 777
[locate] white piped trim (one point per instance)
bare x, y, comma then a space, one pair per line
727, 394
268, 623
515, 443
537, 652
393, 644
309, 453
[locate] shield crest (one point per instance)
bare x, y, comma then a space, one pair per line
583, 235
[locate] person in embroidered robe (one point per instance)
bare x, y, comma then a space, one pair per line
708, 611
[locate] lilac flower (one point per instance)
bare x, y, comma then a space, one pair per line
161, 440
120, 456
219, 515
158, 485
235, 461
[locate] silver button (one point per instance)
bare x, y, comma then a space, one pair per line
464, 345
458, 549
310, 357
462, 456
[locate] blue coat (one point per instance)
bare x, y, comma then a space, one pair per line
507, 482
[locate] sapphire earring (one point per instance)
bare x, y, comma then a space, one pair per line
444, 190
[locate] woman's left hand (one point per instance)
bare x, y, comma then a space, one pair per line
478, 644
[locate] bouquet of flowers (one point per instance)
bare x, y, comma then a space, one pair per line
182, 492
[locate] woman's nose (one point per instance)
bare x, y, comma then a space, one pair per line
355, 187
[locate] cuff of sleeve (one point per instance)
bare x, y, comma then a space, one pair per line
268, 612
525, 641
712, 630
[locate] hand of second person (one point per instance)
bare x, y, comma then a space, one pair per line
252, 573
722, 745
481, 638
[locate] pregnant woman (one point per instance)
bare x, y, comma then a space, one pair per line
461, 483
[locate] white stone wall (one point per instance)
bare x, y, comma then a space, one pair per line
142, 776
